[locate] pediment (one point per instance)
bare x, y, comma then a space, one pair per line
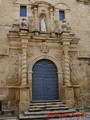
22, 2
62, 6
43, 3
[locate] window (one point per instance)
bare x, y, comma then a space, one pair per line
61, 15
23, 11
0, 105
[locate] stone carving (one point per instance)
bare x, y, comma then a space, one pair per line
24, 23
88, 77
30, 54
73, 71
59, 54
24, 61
57, 27
43, 25
44, 48
31, 23
15, 26
65, 26
13, 76
2, 72
66, 66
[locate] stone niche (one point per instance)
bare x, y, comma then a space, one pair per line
43, 16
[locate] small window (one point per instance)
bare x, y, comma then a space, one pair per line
0, 105
23, 11
61, 15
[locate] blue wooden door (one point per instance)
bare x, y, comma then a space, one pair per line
44, 81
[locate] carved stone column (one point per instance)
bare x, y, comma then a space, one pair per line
66, 63
24, 62
69, 91
24, 88
52, 16
36, 17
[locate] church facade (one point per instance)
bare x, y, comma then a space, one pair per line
44, 52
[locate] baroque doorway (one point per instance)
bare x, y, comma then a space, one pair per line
44, 81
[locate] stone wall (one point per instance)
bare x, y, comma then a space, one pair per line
77, 14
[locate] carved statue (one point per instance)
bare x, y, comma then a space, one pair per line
24, 23
43, 25
57, 27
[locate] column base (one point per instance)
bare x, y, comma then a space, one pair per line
69, 95
76, 91
36, 32
52, 35
70, 103
24, 98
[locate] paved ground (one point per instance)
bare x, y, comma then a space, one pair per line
9, 118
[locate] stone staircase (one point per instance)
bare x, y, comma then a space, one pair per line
47, 111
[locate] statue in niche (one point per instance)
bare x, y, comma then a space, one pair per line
43, 25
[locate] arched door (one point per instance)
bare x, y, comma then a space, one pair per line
44, 81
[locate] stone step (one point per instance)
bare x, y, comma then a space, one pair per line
48, 106
45, 108
46, 102
8, 118
46, 117
26, 113
70, 118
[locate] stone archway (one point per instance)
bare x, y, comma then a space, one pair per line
59, 72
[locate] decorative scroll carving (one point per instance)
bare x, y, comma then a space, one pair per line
59, 55
13, 76
15, 26
73, 71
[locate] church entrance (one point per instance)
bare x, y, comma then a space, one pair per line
44, 81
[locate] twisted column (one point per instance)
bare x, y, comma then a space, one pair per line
66, 66
24, 61
52, 21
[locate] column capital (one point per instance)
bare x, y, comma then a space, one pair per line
66, 38
34, 6
66, 43
51, 8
